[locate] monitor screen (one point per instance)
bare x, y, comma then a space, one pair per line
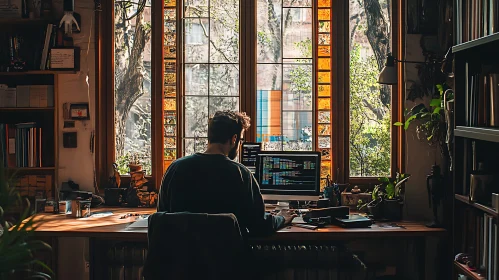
289, 173
249, 152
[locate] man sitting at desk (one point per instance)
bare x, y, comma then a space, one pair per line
212, 182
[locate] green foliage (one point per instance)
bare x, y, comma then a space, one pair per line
430, 121
123, 161
17, 245
369, 119
390, 188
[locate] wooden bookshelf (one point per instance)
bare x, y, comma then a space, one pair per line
484, 42
486, 209
463, 269
478, 133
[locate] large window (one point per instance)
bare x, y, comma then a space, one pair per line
307, 80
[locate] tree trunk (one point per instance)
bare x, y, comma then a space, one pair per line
378, 35
130, 72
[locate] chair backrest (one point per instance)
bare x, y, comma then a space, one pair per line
194, 246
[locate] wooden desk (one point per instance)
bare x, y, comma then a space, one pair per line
116, 227
101, 230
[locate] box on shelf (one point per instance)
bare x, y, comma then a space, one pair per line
11, 8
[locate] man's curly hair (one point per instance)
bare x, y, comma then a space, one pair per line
225, 124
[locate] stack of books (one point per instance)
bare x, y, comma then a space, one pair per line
21, 145
476, 19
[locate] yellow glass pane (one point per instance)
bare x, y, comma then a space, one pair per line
324, 26
324, 51
170, 117
323, 184
324, 39
170, 142
325, 168
170, 3
324, 14
170, 154
170, 91
324, 63
324, 104
324, 77
170, 51
324, 3
325, 154
170, 65
170, 130
324, 129
170, 14
170, 39
170, 104
170, 79
324, 90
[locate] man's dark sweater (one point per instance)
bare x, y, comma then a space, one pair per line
213, 184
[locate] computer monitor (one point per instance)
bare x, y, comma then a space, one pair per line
249, 151
289, 176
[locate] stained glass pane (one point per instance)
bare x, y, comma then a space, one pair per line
170, 3
170, 65
170, 142
297, 41
170, 91
324, 39
324, 104
297, 131
324, 117
170, 130
269, 31
324, 77
269, 76
224, 79
170, 118
324, 142
170, 154
132, 126
196, 116
196, 79
170, 104
196, 40
325, 168
170, 27
170, 51
324, 14
324, 3
325, 154
268, 128
324, 50
170, 14
324, 90
324, 129
324, 26
324, 63
170, 79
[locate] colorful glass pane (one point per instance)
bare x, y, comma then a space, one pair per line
324, 39
324, 63
170, 130
324, 3
170, 104
324, 142
170, 27
170, 65
324, 14
324, 90
170, 154
324, 51
324, 77
170, 3
170, 117
324, 129
170, 142
324, 104
170, 79
170, 91
170, 51
324, 26
325, 154
170, 39
324, 117
325, 168
170, 14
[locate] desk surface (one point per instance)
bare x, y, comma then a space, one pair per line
115, 227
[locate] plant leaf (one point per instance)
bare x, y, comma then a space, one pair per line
436, 102
398, 124
390, 190
437, 110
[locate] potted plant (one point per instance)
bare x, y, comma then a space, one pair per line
16, 243
134, 164
388, 198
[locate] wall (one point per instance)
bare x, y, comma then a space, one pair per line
77, 164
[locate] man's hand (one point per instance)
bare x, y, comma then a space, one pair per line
288, 215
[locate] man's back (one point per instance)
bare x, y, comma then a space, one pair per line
212, 183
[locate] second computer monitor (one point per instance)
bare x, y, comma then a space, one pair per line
289, 175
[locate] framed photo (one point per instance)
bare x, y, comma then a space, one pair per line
79, 111
65, 58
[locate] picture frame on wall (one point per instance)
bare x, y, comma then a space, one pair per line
65, 58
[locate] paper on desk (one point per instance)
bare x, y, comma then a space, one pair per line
139, 223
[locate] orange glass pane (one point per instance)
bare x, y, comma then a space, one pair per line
170, 154
170, 142
170, 65
324, 3
324, 51
324, 14
170, 104
324, 129
324, 77
323, 184
324, 90
324, 64
166, 164
172, 3
170, 91
324, 104
170, 51
325, 168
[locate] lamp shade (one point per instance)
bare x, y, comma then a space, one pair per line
388, 75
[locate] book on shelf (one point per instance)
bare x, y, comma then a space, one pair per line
35, 186
21, 145
476, 19
487, 252
25, 96
482, 100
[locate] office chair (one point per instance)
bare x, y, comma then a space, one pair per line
185, 246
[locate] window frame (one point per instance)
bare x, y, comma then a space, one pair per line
104, 97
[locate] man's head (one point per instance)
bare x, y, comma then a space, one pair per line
226, 128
